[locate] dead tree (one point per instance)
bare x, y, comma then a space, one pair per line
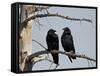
28, 13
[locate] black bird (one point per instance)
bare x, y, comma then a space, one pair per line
67, 42
53, 44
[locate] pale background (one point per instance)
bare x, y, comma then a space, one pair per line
83, 35
5, 38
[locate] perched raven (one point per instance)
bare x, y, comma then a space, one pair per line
67, 42
53, 44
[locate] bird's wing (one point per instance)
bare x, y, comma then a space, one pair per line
67, 43
49, 44
55, 42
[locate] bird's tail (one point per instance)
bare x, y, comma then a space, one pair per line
70, 59
55, 58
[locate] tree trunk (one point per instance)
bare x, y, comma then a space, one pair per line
25, 40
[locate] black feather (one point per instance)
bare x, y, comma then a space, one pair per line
67, 42
53, 44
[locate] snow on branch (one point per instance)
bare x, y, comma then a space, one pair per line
55, 15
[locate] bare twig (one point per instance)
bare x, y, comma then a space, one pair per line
88, 63
39, 44
91, 63
50, 66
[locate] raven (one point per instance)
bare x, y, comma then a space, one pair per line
67, 42
53, 44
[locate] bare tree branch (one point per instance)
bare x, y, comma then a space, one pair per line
60, 52
54, 15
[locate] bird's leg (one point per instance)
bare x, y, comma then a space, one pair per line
71, 51
56, 66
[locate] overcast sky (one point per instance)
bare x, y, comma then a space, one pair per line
83, 33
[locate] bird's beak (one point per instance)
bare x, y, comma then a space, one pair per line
54, 30
63, 29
